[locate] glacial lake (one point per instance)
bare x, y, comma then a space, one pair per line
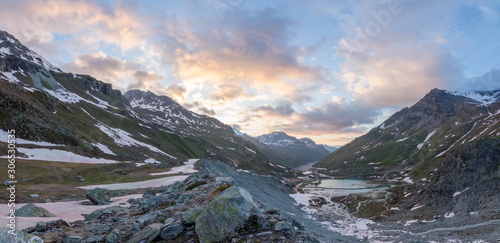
343, 187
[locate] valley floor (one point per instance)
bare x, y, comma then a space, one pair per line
348, 217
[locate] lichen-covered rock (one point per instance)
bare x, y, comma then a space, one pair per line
19, 237
189, 217
172, 232
99, 196
31, 210
148, 234
228, 211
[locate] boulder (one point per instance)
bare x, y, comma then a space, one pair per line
149, 193
41, 226
172, 232
224, 180
148, 234
189, 217
97, 213
184, 197
31, 210
93, 239
113, 237
149, 203
224, 214
282, 226
73, 239
99, 196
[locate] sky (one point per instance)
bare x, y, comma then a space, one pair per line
323, 69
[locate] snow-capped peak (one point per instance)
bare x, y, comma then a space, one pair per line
484, 98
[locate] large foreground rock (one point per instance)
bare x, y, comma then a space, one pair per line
31, 210
99, 196
19, 237
228, 211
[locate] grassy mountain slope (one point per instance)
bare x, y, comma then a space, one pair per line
416, 139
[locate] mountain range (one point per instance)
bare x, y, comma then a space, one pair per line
75, 114
288, 150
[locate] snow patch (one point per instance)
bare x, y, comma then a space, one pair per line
104, 149
426, 139
4, 135
449, 215
416, 207
408, 180
124, 138
458, 193
187, 168
61, 156
10, 76
410, 222
253, 151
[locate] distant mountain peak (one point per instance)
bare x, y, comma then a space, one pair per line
302, 150
9, 45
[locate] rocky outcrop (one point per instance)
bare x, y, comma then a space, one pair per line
99, 196
228, 211
181, 212
31, 210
